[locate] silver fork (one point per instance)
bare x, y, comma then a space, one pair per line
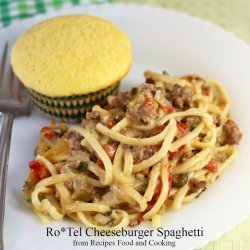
13, 101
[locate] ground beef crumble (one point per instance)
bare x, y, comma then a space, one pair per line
143, 108
230, 134
195, 185
181, 97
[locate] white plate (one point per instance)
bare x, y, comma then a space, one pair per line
162, 39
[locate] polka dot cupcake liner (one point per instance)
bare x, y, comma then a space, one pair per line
72, 108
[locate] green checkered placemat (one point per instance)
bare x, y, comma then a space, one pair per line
233, 15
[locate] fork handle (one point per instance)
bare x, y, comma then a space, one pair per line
4, 160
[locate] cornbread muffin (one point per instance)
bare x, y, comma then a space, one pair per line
69, 63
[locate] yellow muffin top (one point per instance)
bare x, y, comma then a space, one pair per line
71, 55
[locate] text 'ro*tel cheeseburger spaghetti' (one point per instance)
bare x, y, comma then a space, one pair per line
158, 146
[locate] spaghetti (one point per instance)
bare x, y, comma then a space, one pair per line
158, 146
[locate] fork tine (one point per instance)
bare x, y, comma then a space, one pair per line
3, 63
13, 96
10, 83
19, 91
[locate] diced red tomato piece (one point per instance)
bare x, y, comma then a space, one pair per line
167, 109
140, 219
148, 101
172, 155
100, 163
212, 166
39, 169
35, 165
157, 192
50, 136
181, 127
48, 133
111, 122
110, 149
159, 188
157, 130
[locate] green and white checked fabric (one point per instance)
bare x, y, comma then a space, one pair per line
19, 9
